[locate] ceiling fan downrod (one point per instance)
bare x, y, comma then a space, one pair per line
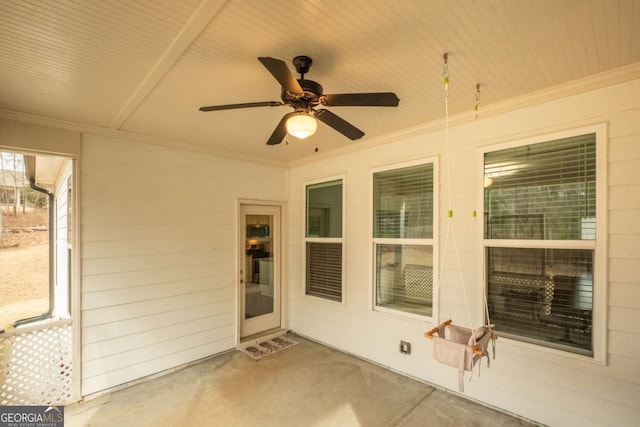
303, 64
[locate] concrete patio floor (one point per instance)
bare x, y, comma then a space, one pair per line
306, 385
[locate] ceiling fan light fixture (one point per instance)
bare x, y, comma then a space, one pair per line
301, 125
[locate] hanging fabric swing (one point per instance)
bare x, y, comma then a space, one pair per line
455, 345
461, 347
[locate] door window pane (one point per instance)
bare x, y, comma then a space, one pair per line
259, 276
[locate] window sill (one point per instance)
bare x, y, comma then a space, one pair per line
403, 314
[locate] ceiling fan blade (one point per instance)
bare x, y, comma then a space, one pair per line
280, 131
281, 72
245, 105
380, 99
339, 124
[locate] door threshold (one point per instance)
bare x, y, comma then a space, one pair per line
264, 335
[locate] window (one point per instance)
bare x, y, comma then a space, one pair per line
540, 230
403, 212
323, 240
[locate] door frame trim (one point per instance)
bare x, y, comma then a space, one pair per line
284, 265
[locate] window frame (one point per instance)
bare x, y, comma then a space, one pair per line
432, 242
341, 240
599, 245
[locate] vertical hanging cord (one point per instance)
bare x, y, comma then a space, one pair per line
479, 236
477, 229
450, 226
445, 80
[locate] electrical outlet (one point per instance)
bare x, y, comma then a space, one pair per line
405, 347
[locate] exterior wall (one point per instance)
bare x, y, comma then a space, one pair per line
545, 385
159, 239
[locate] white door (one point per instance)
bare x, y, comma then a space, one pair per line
259, 257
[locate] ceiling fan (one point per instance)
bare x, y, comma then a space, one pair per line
304, 96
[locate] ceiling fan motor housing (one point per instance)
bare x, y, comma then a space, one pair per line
310, 97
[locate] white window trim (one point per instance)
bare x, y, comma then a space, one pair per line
433, 242
600, 286
342, 239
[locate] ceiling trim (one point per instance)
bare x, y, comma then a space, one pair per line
200, 18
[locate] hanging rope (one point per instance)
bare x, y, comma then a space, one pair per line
477, 230
445, 81
450, 223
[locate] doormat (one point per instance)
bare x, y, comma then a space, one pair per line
267, 347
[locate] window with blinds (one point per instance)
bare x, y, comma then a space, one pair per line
540, 228
403, 211
323, 236
403, 202
324, 270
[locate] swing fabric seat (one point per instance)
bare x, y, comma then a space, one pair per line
460, 347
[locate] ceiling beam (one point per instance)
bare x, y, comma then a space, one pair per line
200, 18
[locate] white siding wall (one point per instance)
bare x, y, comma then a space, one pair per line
158, 255
539, 384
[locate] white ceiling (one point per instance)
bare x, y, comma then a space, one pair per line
144, 67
